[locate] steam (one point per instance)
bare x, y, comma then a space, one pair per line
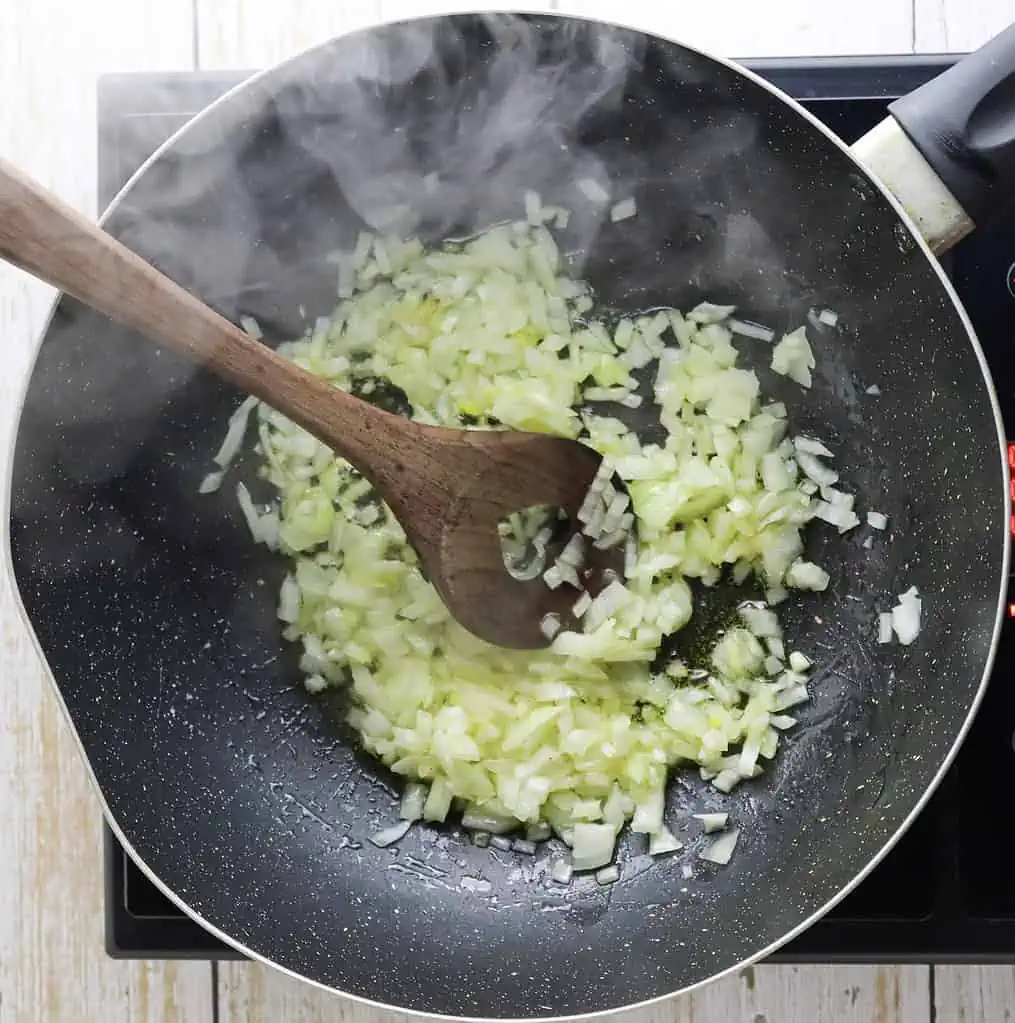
444, 124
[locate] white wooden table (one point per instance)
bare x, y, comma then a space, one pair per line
52, 965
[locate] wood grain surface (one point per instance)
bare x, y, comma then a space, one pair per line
53, 968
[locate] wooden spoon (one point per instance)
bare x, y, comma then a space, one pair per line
449, 488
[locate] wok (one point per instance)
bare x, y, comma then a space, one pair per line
236, 790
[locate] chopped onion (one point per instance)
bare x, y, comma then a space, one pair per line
799, 662
663, 841
592, 846
762, 622
476, 884
233, 440
592, 190
828, 317
793, 357
873, 390
492, 823
876, 520
803, 575
752, 330
553, 577
388, 836
712, 822
609, 601
721, 850
811, 447
623, 210
550, 625
251, 327
413, 798
561, 872
574, 552
608, 875
815, 470
885, 627
906, 616
581, 736
524, 846
211, 483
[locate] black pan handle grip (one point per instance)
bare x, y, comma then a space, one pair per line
963, 124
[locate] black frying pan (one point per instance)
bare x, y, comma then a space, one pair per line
236, 789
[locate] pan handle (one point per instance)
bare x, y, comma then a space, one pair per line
962, 123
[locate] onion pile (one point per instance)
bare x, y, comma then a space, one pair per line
578, 738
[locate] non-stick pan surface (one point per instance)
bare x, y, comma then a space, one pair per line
156, 614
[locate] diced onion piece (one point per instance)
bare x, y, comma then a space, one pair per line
792, 357
251, 327
413, 798
811, 447
476, 884
474, 820
592, 190
815, 470
250, 513
663, 841
876, 520
289, 600
211, 483
799, 662
524, 846
582, 604
574, 552
829, 317
608, 602
906, 616
553, 577
592, 845
873, 390
438, 801
561, 872
885, 627
550, 625
623, 210
388, 836
533, 207
804, 575
760, 621
233, 439
705, 313
721, 850
608, 875
501, 843
752, 330
712, 822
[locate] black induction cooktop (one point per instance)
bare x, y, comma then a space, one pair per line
946, 893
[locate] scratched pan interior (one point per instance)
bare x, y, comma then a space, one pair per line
157, 615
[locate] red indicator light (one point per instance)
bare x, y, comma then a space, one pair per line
1011, 485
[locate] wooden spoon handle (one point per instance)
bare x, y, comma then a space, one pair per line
57, 244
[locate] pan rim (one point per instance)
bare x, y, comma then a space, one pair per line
229, 97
